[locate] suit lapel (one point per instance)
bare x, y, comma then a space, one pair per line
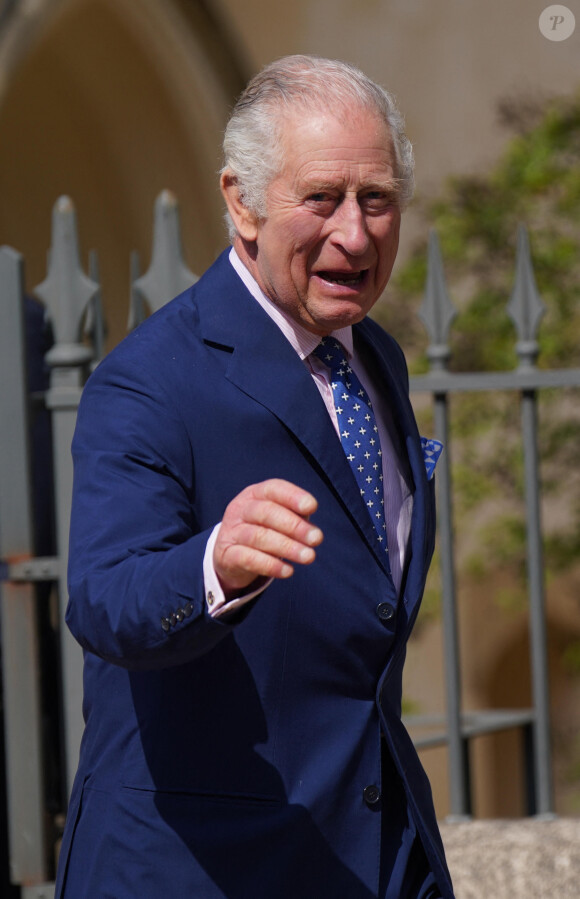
422, 522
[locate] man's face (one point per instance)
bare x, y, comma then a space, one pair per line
326, 248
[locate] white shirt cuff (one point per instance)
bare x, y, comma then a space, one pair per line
217, 603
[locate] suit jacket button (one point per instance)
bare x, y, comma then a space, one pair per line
179, 615
385, 611
165, 624
372, 795
172, 619
187, 610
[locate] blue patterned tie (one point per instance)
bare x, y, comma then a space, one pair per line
358, 430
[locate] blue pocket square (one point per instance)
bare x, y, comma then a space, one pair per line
432, 449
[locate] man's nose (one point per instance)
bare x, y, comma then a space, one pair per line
350, 230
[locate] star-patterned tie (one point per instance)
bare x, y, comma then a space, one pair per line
358, 430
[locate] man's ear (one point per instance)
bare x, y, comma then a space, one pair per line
246, 222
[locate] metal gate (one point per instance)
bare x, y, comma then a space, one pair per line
31, 585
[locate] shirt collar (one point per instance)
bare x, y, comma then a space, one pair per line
301, 339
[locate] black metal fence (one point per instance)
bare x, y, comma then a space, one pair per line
72, 301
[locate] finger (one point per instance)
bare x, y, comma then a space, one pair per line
286, 494
274, 542
259, 517
243, 564
264, 529
251, 551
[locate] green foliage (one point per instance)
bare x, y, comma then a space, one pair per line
571, 658
536, 182
561, 549
431, 605
473, 487
410, 706
503, 540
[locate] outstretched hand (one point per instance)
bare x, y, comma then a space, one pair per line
264, 531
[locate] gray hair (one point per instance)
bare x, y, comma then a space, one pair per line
252, 141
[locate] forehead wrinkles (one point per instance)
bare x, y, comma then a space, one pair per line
372, 168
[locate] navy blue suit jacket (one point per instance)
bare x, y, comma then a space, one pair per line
229, 758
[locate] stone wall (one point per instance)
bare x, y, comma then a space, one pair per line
525, 859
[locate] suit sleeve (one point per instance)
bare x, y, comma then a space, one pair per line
136, 589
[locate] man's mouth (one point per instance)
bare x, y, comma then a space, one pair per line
344, 279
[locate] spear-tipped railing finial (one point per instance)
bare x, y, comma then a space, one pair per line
66, 290
168, 274
437, 311
525, 307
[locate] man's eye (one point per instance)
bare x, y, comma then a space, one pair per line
376, 199
321, 201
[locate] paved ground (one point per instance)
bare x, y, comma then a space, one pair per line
524, 859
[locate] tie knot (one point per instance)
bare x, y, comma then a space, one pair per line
331, 352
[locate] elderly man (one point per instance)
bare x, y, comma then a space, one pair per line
252, 526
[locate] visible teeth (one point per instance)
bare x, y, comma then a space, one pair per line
344, 280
